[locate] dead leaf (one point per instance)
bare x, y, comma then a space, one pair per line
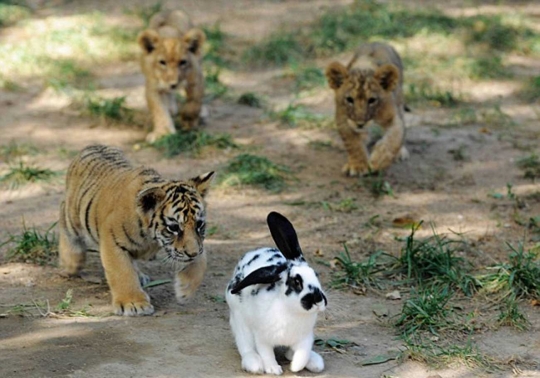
319, 253
484, 130
535, 302
393, 295
405, 221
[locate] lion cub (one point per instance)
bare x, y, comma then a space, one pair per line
369, 89
171, 59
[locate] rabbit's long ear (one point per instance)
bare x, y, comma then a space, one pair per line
284, 236
264, 275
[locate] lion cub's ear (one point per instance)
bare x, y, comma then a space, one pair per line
388, 76
202, 182
336, 74
195, 38
148, 40
148, 199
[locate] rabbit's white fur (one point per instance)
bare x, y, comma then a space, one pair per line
278, 312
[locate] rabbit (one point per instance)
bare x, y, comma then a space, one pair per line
274, 298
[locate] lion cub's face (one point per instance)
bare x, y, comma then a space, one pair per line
170, 60
363, 94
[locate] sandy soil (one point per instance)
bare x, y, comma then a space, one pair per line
194, 340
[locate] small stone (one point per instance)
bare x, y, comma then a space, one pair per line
393, 295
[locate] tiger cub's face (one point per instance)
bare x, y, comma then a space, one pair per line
177, 216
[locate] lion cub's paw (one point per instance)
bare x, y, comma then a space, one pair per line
403, 153
153, 136
353, 170
135, 308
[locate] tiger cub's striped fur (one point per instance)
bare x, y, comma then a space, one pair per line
130, 213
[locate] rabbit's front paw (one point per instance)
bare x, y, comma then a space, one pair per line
273, 369
252, 363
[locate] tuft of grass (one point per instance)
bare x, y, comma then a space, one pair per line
278, 49
519, 276
307, 77
214, 88
250, 99
493, 32
13, 150
32, 246
530, 165
295, 115
427, 309
215, 46
433, 260
65, 303
247, 169
423, 92
338, 345
145, 13
346, 205
108, 109
359, 274
66, 74
378, 186
192, 142
488, 67
10, 14
531, 91
510, 316
22, 173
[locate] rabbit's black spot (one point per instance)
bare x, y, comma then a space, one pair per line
271, 287
253, 259
294, 284
254, 291
275, 256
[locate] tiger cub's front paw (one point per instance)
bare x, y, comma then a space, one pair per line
132, 307
355, 169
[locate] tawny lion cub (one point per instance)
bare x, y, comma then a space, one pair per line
369, 89
171, 59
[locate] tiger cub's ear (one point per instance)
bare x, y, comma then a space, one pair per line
148, 199
202, 182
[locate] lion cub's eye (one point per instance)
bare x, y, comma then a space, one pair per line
162, 62
372, 100
183, 63
350, 100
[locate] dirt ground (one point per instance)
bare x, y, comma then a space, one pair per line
194, 340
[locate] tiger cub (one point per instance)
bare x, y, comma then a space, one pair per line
130, 213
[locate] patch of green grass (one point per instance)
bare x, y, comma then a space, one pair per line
427, 309
464, 116
424, 92
65, 303
192, 142
459, 153
146, 12
250, 99
362, 274
519, 276
278, 49
530, 165
295, 115
495, 32
434, 260
377, 185
531, 90
108, 109
10, 14
346, 205
22, 174
65, 74
307, 77
214, 88
32, 246
321, 144
488, 67
436, 355
13, 150
215, 46
339, 345
511, 316
247, 169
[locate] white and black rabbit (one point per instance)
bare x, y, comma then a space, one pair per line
274, 298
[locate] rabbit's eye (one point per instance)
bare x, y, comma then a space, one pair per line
296, 283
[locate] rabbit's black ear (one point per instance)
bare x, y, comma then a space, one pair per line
264, 275
284, 236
